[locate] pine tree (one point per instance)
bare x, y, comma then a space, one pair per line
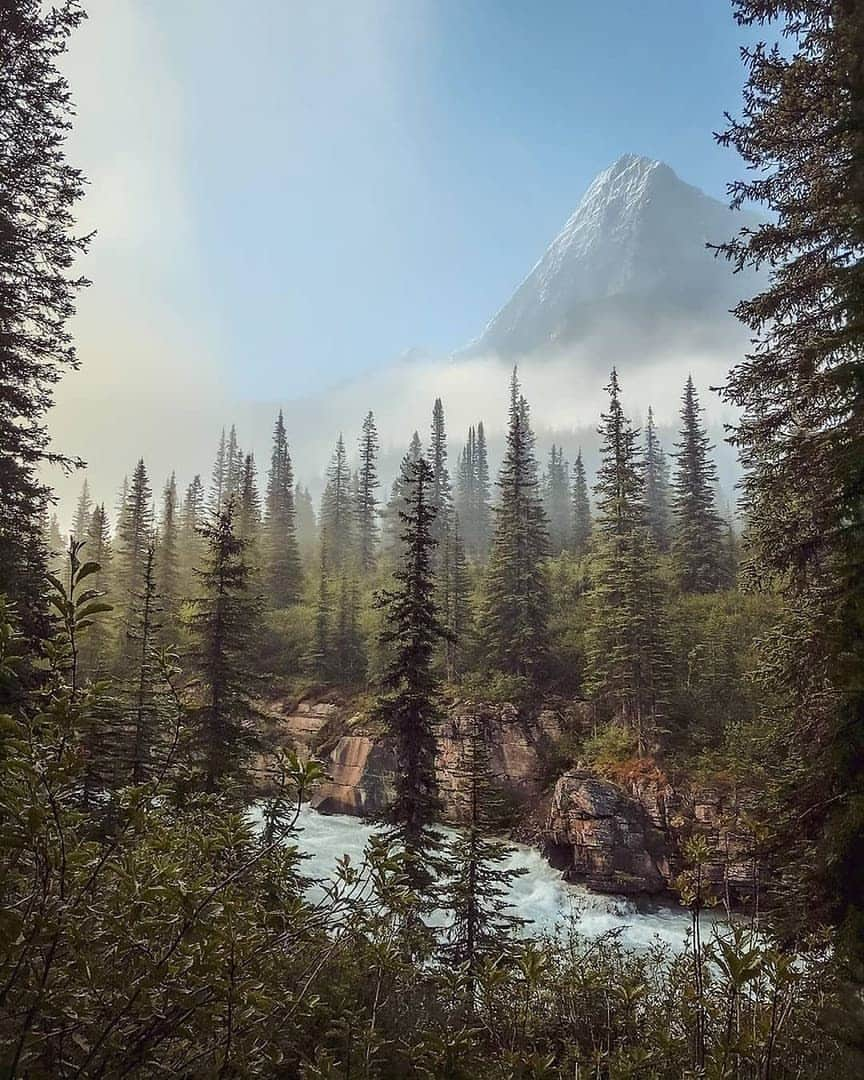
219, 476
134, 534
582, 524
408, 700
367, 499
455, 603
626, 656
697, 547
191, 543
249, 505
224, 626
83, 514
801, 439
397, 504
38, 248
657, 490
234, 459
517, 602
465, 496
556, 501
322, 658
348, 654
144, 711
99, 550
483, 497
337, 511
168, 554
283, 571
307, 525
440, 496
483, 924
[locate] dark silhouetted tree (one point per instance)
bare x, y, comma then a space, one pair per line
582, 525
283, 573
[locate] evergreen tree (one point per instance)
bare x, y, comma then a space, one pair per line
83, 514
408, 700
53, 545
307, 526
440, 495
38, 248
234, 460
800, 395
224, 626
517, 601
455, 600
626, 655
168, 553
697, 546
283, 572
348, 654
191, 543
337, 512
465, 497
556, 501
219, 476
98, 550
581, 509
249, 505
483, 924
144, 703
134, 534
367, 499
483, 496
397, 504
657, 489
323, 615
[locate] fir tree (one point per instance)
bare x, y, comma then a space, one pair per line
397, 504
626, 656
800, 396
337, 512
556, 501
99, 550
455, 600
144, 709
465, 497
439, 490
191, 543
408, 700
249, 505
582, 524
38, 248
322, 662
134, 534
83, 513
367, 499
234, 459
283, 572
348, 653
657, 490
483, 526
483, 923
516, 607
224, 627
168, 552
307, 525
697, 547
219, 476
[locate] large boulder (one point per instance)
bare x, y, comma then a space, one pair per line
601, 836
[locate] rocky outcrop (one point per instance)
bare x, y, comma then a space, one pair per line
361, 768
601, 836
632, 837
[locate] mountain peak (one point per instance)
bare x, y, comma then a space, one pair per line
638, 237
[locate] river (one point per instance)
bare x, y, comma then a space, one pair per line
539, 896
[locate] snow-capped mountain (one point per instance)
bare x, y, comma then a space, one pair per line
633, 250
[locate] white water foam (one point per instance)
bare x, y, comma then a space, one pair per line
539, 896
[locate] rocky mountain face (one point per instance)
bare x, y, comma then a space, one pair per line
632, 257
625, 838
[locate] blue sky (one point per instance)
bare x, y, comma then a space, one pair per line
367, 175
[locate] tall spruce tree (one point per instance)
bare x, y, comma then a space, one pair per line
249, 506
283, 574
627, 662
168, 555
307, 525
465, 495
224, 626
367, 497
83, 514
483, 496
134, 534
556, 501
219, 476
697, 543
582, 524
144, 697
483, 923
38, 248
397, 503
408, 704
454, 597
233, 466
517, 601
801, 399
337, 511
99, 550
190, 541
440, 494
657, 489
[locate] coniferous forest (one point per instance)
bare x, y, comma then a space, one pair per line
700, 670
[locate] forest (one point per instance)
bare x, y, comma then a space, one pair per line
157, 914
